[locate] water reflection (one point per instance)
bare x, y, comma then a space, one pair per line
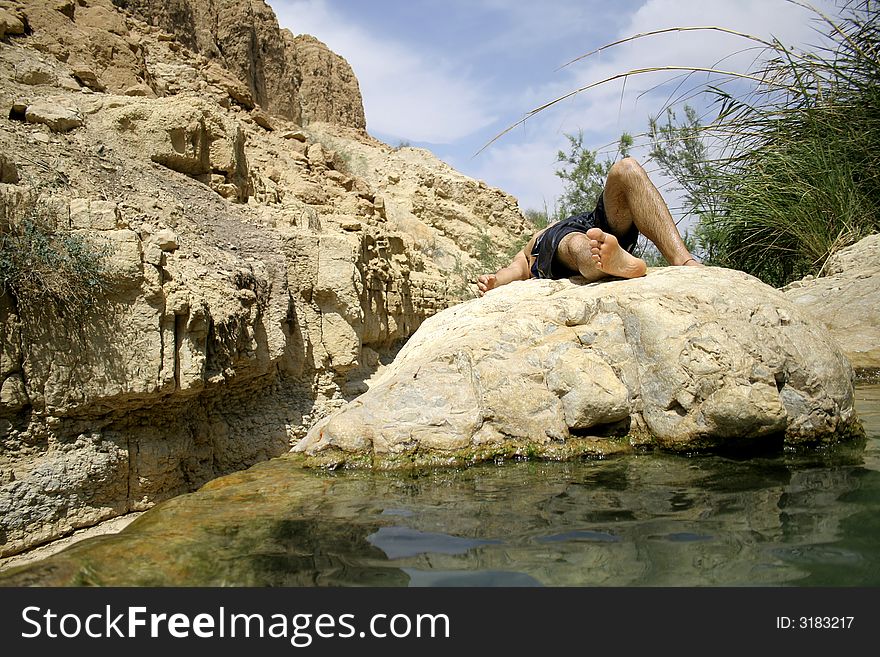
399, 542
642, 520
469, 578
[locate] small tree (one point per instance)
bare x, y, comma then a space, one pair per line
679, 150
584, 174
681, 153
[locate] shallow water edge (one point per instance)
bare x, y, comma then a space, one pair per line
641, 519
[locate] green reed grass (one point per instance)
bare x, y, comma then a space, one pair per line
799, 177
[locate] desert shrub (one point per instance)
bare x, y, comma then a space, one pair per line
41, 261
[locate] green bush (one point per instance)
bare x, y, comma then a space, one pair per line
584, 175
797, 177
42, 263
538, 218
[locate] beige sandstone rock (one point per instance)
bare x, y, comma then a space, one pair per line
95, 215
847, 301
86, 76
10, 24
38, 74
328, 77
59, 117
165, 239
685, 359
97, 38
454, 228
177, 134
8, 170
298, 78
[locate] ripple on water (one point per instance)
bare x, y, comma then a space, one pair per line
580, 535
685, 537
400, 542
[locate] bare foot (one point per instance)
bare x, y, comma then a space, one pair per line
486, 282
691, 262
611, 258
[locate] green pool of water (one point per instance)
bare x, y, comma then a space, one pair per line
641, 520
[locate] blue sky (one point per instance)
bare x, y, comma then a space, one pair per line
449, 76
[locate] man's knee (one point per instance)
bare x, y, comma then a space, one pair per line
627, 171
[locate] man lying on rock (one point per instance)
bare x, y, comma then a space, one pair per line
600, 243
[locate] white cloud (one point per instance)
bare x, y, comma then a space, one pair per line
606, 107
526, 166
407, 95
478, 87
605, 111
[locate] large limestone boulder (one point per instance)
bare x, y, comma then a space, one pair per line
683, 358
847, 301
58, 117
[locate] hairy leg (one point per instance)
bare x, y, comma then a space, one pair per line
631, 198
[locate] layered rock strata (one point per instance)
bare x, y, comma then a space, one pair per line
259, 266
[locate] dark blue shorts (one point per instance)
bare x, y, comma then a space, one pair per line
545, 264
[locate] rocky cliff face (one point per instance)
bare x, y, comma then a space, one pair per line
264, 255
294, 77
237, 44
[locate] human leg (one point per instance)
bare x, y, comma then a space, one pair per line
517, 270
597, 254
631, 198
